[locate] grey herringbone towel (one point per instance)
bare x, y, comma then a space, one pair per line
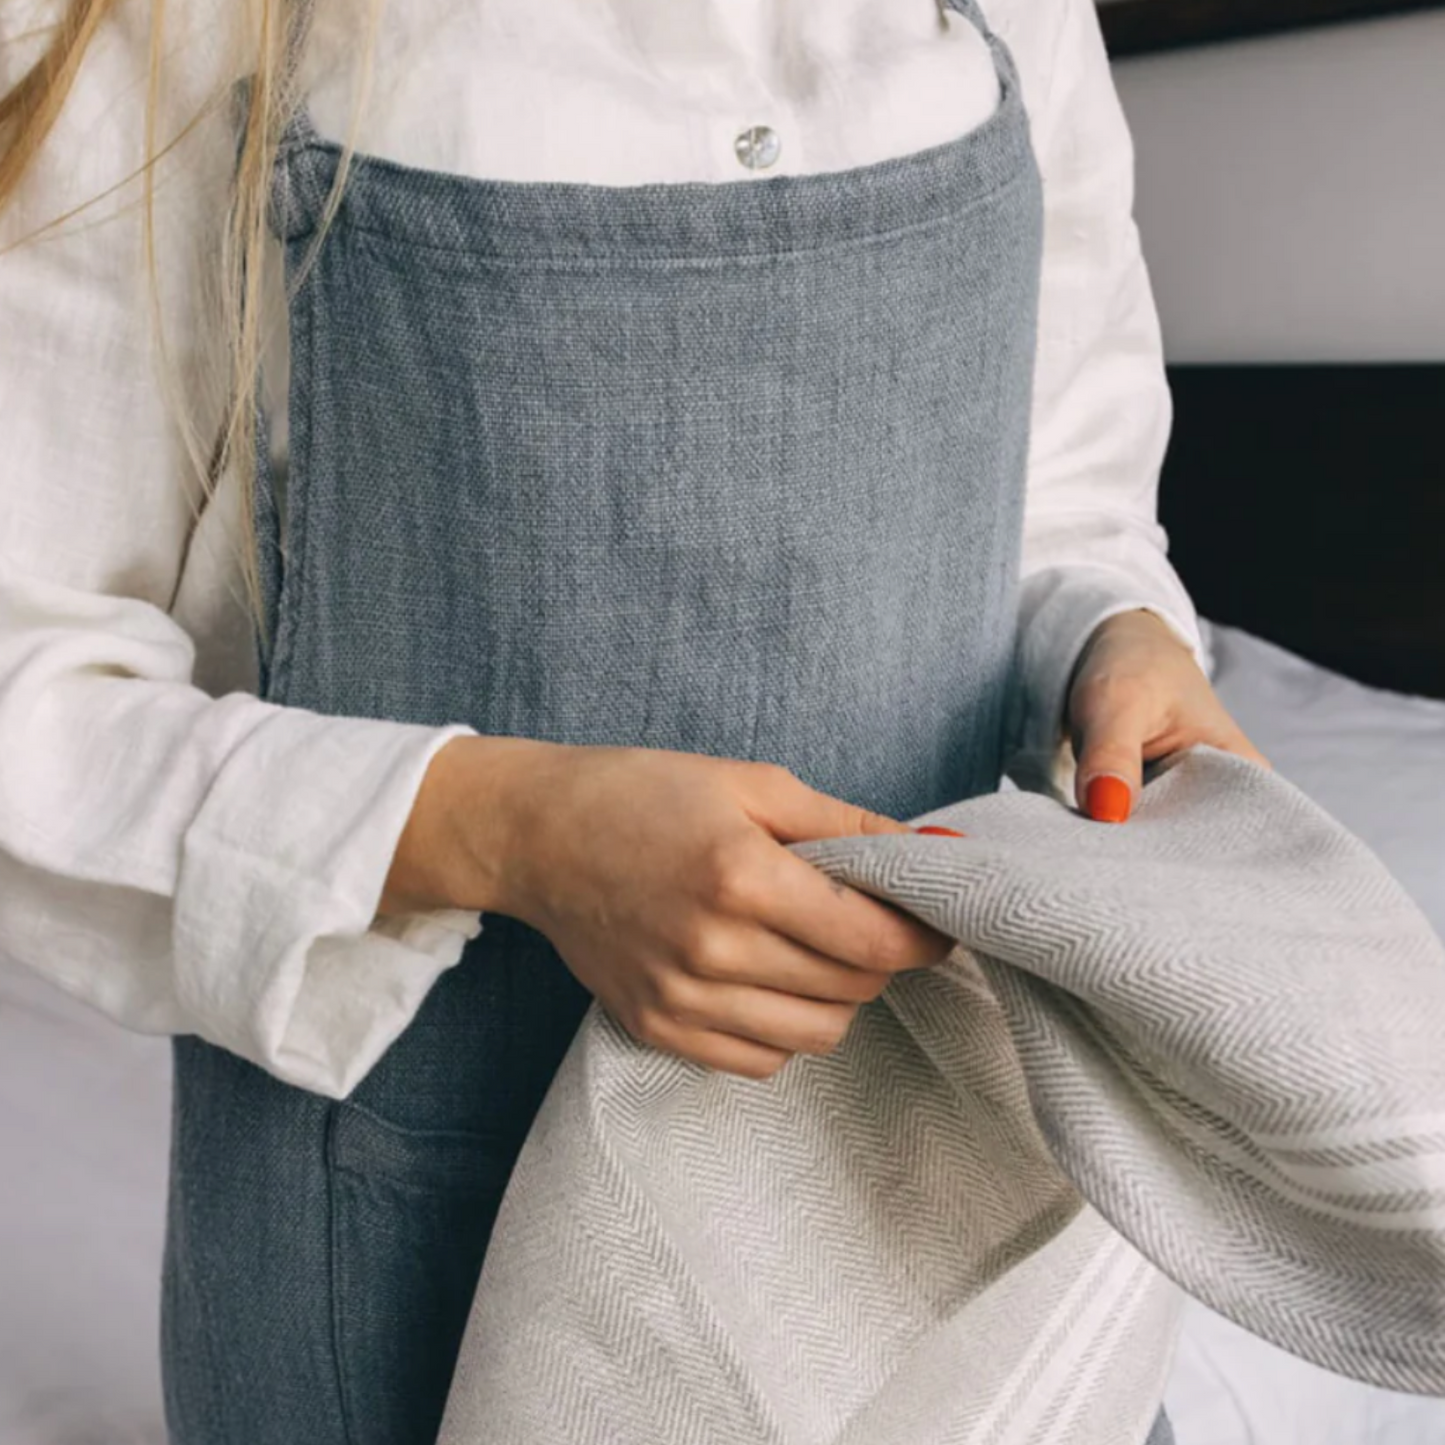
1207, 1045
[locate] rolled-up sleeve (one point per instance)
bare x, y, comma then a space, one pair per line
187, 858
1093, 546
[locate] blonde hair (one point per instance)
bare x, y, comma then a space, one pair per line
274, 32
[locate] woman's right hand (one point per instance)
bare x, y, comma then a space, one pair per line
663, 880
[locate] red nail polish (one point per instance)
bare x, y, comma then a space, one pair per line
1109, 800
937, 832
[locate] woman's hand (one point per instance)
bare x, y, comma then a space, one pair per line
663, 880
1137, 694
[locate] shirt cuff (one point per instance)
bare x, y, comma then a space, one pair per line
279, 953
1059, 611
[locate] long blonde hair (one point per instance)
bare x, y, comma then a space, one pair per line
272, 32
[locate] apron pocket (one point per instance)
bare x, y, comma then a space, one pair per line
411, 1214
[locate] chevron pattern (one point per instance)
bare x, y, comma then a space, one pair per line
1207, 1047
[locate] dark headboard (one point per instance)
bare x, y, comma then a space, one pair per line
1137, 27
1306, 504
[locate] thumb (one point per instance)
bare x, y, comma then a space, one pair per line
1110, 773
793, 812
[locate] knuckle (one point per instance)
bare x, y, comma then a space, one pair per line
1104, 690
873, 986
861, 987
674, 997
870, 824
826, 1036
1089, 685
733, 881
774, 775
762, 1068
650, 1025
711, 955
886, 949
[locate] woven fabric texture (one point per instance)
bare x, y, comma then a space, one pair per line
1208, 1045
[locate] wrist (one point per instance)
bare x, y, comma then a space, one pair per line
1147, 619
460, 843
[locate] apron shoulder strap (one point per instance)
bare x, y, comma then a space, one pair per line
972, 11
296, 22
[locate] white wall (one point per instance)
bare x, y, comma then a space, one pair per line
1291, 192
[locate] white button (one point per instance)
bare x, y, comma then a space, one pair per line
757, 147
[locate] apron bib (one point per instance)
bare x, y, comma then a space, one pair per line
734, 469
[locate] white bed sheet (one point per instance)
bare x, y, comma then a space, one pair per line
83, 1131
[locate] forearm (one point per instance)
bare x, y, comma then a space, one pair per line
460, 841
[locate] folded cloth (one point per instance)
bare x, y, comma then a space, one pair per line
1205, 1047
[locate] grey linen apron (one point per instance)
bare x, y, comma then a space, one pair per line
734, 469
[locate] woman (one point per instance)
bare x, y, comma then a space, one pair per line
686, 429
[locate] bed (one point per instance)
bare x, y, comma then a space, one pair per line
1304, 507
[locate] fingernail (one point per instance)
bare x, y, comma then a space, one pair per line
937, 832
1109, 799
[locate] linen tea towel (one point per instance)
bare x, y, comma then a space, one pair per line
1207, 1045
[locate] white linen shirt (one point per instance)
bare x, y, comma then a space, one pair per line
192, 859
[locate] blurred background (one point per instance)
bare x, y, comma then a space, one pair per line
1291, 191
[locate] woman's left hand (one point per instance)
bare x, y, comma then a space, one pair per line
1137, 694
